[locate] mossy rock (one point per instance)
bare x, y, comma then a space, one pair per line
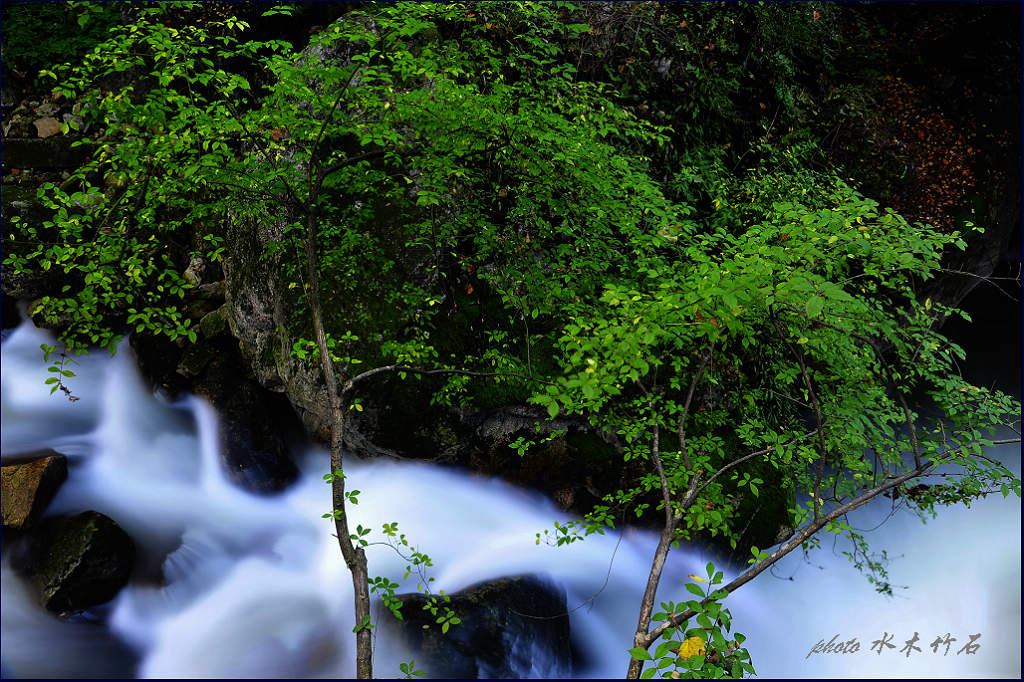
76, 562
215, 323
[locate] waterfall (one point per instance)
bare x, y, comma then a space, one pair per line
234, 585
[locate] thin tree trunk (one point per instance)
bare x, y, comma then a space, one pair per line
647, 603
354, 557
660, 555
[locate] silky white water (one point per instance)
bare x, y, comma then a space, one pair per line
233, 585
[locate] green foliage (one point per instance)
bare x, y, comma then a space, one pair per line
437, 604
705, 651
409, 670
522, 444
116, 224
825, 280
60, 373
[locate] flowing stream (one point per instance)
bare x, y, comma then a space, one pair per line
233, 585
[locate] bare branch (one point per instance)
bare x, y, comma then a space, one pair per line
416, 370
686, 406
989, 280
660, 554
746, 458
352, 160
816, 525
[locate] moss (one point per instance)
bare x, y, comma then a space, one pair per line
214, 323
79, 561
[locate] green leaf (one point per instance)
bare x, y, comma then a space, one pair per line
641, 654
695, 590
814, 306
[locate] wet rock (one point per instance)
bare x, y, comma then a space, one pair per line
253, 452
27, 488
18, 124
214, 323
569, 460
195, 272
8, 98
259, 305
159, 359
47, 108
254, 423
167, 364
195, 359
47, 126
80, 561
511, 627
10, 317
203, 300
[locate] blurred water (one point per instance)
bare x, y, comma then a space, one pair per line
233, 585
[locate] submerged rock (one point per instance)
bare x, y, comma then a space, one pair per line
511, 627
78, 561
27, 488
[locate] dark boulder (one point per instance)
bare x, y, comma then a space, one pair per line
511, 627
253, 422
26, 488
254, 453
10, 317
80, 561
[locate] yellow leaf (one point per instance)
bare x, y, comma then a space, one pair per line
698, 578
694, 646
